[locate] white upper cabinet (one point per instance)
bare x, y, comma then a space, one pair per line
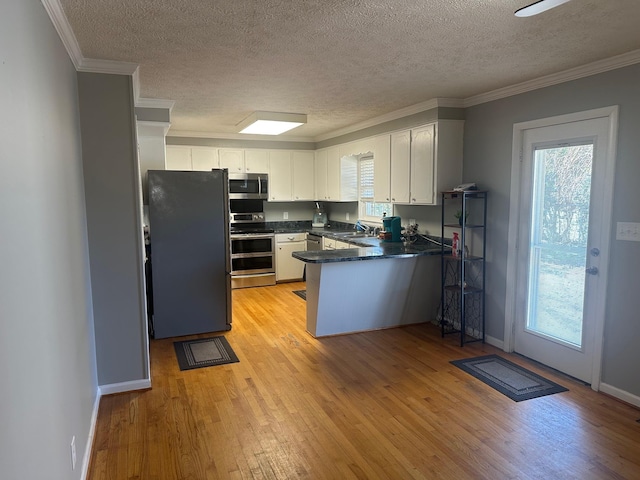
382, 169
425, 161
320, 170
182, 157
400, 166
422, 178
204, 158
232, 159
178, 157
303, 174
256, 161
333, 174
280, 176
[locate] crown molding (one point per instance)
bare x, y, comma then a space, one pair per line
600, 66
155, 103
93, 65
65, 32
395, 115
238, 136
152, 129
62, 26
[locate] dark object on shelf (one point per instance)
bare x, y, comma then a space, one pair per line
462, 304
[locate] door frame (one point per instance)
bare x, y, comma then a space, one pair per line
511, 294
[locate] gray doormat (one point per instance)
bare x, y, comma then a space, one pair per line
301, 293
510, 379
204, 352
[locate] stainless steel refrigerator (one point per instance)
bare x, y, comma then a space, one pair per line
189, 249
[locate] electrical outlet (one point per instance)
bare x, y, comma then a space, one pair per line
285, 215
628, 231
73, 452
347, 215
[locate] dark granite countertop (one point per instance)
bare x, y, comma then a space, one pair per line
384, 250
365, 248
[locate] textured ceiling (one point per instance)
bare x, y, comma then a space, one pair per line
339, 61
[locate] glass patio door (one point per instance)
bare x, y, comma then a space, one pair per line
559, 238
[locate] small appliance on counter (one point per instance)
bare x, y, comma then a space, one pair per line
320, 219
392, 228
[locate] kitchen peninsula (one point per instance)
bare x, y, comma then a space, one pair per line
369, 288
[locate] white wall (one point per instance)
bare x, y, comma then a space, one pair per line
47, 367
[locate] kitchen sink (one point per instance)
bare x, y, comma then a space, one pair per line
354, 234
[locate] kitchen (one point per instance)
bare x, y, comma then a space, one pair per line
74, 221
265, 230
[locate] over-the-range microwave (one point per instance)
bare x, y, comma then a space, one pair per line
248, 186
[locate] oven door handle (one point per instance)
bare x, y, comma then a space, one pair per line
241, 236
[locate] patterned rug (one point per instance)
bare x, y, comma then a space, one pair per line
510, 379
301, 293
204, 352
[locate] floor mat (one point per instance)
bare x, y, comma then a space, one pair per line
510, 379
204, 352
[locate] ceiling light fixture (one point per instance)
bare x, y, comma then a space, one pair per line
271, 123
539, 7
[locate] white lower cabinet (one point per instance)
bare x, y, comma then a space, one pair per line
287, 267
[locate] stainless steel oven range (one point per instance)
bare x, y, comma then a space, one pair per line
252, 257
252, 244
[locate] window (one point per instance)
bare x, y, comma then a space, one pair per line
368, 209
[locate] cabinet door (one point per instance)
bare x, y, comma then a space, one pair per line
233, 159
303, 176
333, 174
320, 171
287, 267
256, 161
280, 176
178, 158
400, 166
204, 158
342, 245
382, 169
422, 165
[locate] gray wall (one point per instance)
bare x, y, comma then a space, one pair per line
47, 358
487, 160
115, 236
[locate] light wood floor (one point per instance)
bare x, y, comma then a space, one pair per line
377, 405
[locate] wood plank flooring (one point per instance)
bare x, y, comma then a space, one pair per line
377, 405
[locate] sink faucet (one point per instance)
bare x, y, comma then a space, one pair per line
362, 227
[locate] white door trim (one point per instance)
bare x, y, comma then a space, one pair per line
514, 211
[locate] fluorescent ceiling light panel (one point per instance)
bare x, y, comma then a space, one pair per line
539, 7
271, 123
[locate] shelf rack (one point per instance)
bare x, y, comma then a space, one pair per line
462, 304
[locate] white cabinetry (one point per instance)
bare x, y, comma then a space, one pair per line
256, 161
342, 245
232, 159
291, 175
287, 267
382, 169
336, 176
280, 176
302, 176
320, 169
426, 160
328, 243
400, 166
179, 157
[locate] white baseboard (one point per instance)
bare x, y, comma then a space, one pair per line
125, 386
620, 394
92, 433
496, 342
